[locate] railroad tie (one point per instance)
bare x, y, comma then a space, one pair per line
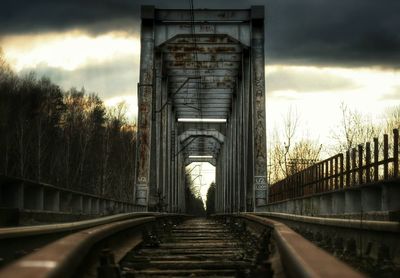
196, 247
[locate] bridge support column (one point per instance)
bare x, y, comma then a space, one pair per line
241, 144
145, 100
258, 105
33, 197
156, 176
371, 199
230, 169
391, 197
338, 203
12, 195
248, 160
225, 176
352, 201
326, 204
232, 185
174, 169
51, 200
164, 145
169, 159
236, 150
180, 170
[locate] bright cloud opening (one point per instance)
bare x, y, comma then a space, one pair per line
69, 50
129, 101
373, 91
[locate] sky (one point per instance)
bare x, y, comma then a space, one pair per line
319, 54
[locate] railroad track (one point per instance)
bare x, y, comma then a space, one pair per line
371, 246
171, 245
18, 241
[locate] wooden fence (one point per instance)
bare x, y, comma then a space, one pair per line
369, 163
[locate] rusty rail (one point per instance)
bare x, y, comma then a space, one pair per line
356, 167
298, 257
368, 245
63, 256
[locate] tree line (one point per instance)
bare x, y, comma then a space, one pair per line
288, 154
67, 138
193, 200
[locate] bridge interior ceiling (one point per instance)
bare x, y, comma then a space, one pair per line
202, 72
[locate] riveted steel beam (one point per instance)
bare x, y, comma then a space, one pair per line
258, 102
212, 161
145, 101
203, 15
202, 57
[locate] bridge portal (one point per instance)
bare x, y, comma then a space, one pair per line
201, 97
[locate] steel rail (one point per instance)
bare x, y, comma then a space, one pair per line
298, 256
356, 241
62, 257
370, 225
24, 231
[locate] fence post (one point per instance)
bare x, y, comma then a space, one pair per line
320, 177
336, 172
347, 168
376, 159
326, 187
353, 166
331, 178
315, 179
395, 152
360, 164
368, 162
385, 156
341, 170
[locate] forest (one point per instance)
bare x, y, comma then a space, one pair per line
65, 138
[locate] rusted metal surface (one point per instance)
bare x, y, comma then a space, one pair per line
298, 256
258, 94
355, 224
209, 65
23, 240
145, 100
371, 246
217, 76
203, 57
63, 257
203, 15
17, 232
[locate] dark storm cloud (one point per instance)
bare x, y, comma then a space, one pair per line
352, 32
330, 32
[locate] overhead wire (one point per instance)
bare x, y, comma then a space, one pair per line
195, 55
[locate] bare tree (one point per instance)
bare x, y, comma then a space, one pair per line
392, 117
289, 154
353, 129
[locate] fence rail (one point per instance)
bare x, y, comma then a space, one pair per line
30, 195
368, 163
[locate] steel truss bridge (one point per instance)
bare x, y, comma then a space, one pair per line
202, 99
